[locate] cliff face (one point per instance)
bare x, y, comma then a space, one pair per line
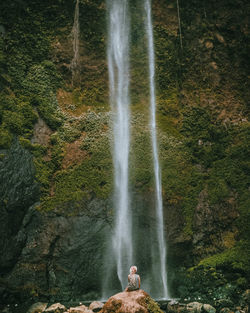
55, 162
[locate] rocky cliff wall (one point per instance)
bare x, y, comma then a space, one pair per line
56, 166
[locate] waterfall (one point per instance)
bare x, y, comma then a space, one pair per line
74, 66
157, 171
118, 65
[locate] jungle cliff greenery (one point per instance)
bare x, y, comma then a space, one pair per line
203, 105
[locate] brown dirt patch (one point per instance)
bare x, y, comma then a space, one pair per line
73, 154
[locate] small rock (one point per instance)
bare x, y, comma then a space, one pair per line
209, 308
56, 308
37, 307
96, 306
220, 38
80, 309
209, 44
213, 65
194, 307
175, 307
225, 310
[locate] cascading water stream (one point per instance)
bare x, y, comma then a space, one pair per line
159, 204
75, 34
118, 65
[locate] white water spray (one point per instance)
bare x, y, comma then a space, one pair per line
159, 205
75, 34
118, 65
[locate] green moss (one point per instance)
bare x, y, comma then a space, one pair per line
40, 86
94, 173
17, 115
141, 161
43, 174
237, 258
166, 58
74, 185
5, 138
151, 305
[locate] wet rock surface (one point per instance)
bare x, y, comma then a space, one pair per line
37, 307
60, 253
80, 309
47, 255
18, 191
56, 308
131, 302
96, 306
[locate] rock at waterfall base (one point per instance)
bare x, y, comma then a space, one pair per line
37, 307
194, 307
96, 306
56, 308
131, 302
80, 309
208, 308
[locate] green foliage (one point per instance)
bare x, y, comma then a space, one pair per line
93, 175
208, 284
74, 185
17, 115
206, 140
237, 258
152, 306
166, 58
57, 155
43, 174
91, 25
4, 78
27, 43
141, 161
5, 138
40, 86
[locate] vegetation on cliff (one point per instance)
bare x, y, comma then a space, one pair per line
202, 94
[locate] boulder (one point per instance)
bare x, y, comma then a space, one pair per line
225, 310
131, 302
96, 306
56, 308
37, 307
175, 307
194, 307
208, 308
80, 309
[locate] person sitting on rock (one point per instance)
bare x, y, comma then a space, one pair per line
134, 281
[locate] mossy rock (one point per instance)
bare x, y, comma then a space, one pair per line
131, 302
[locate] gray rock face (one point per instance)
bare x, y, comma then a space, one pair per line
46, 253
62, 255
41, 133
18, 191
206, 223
